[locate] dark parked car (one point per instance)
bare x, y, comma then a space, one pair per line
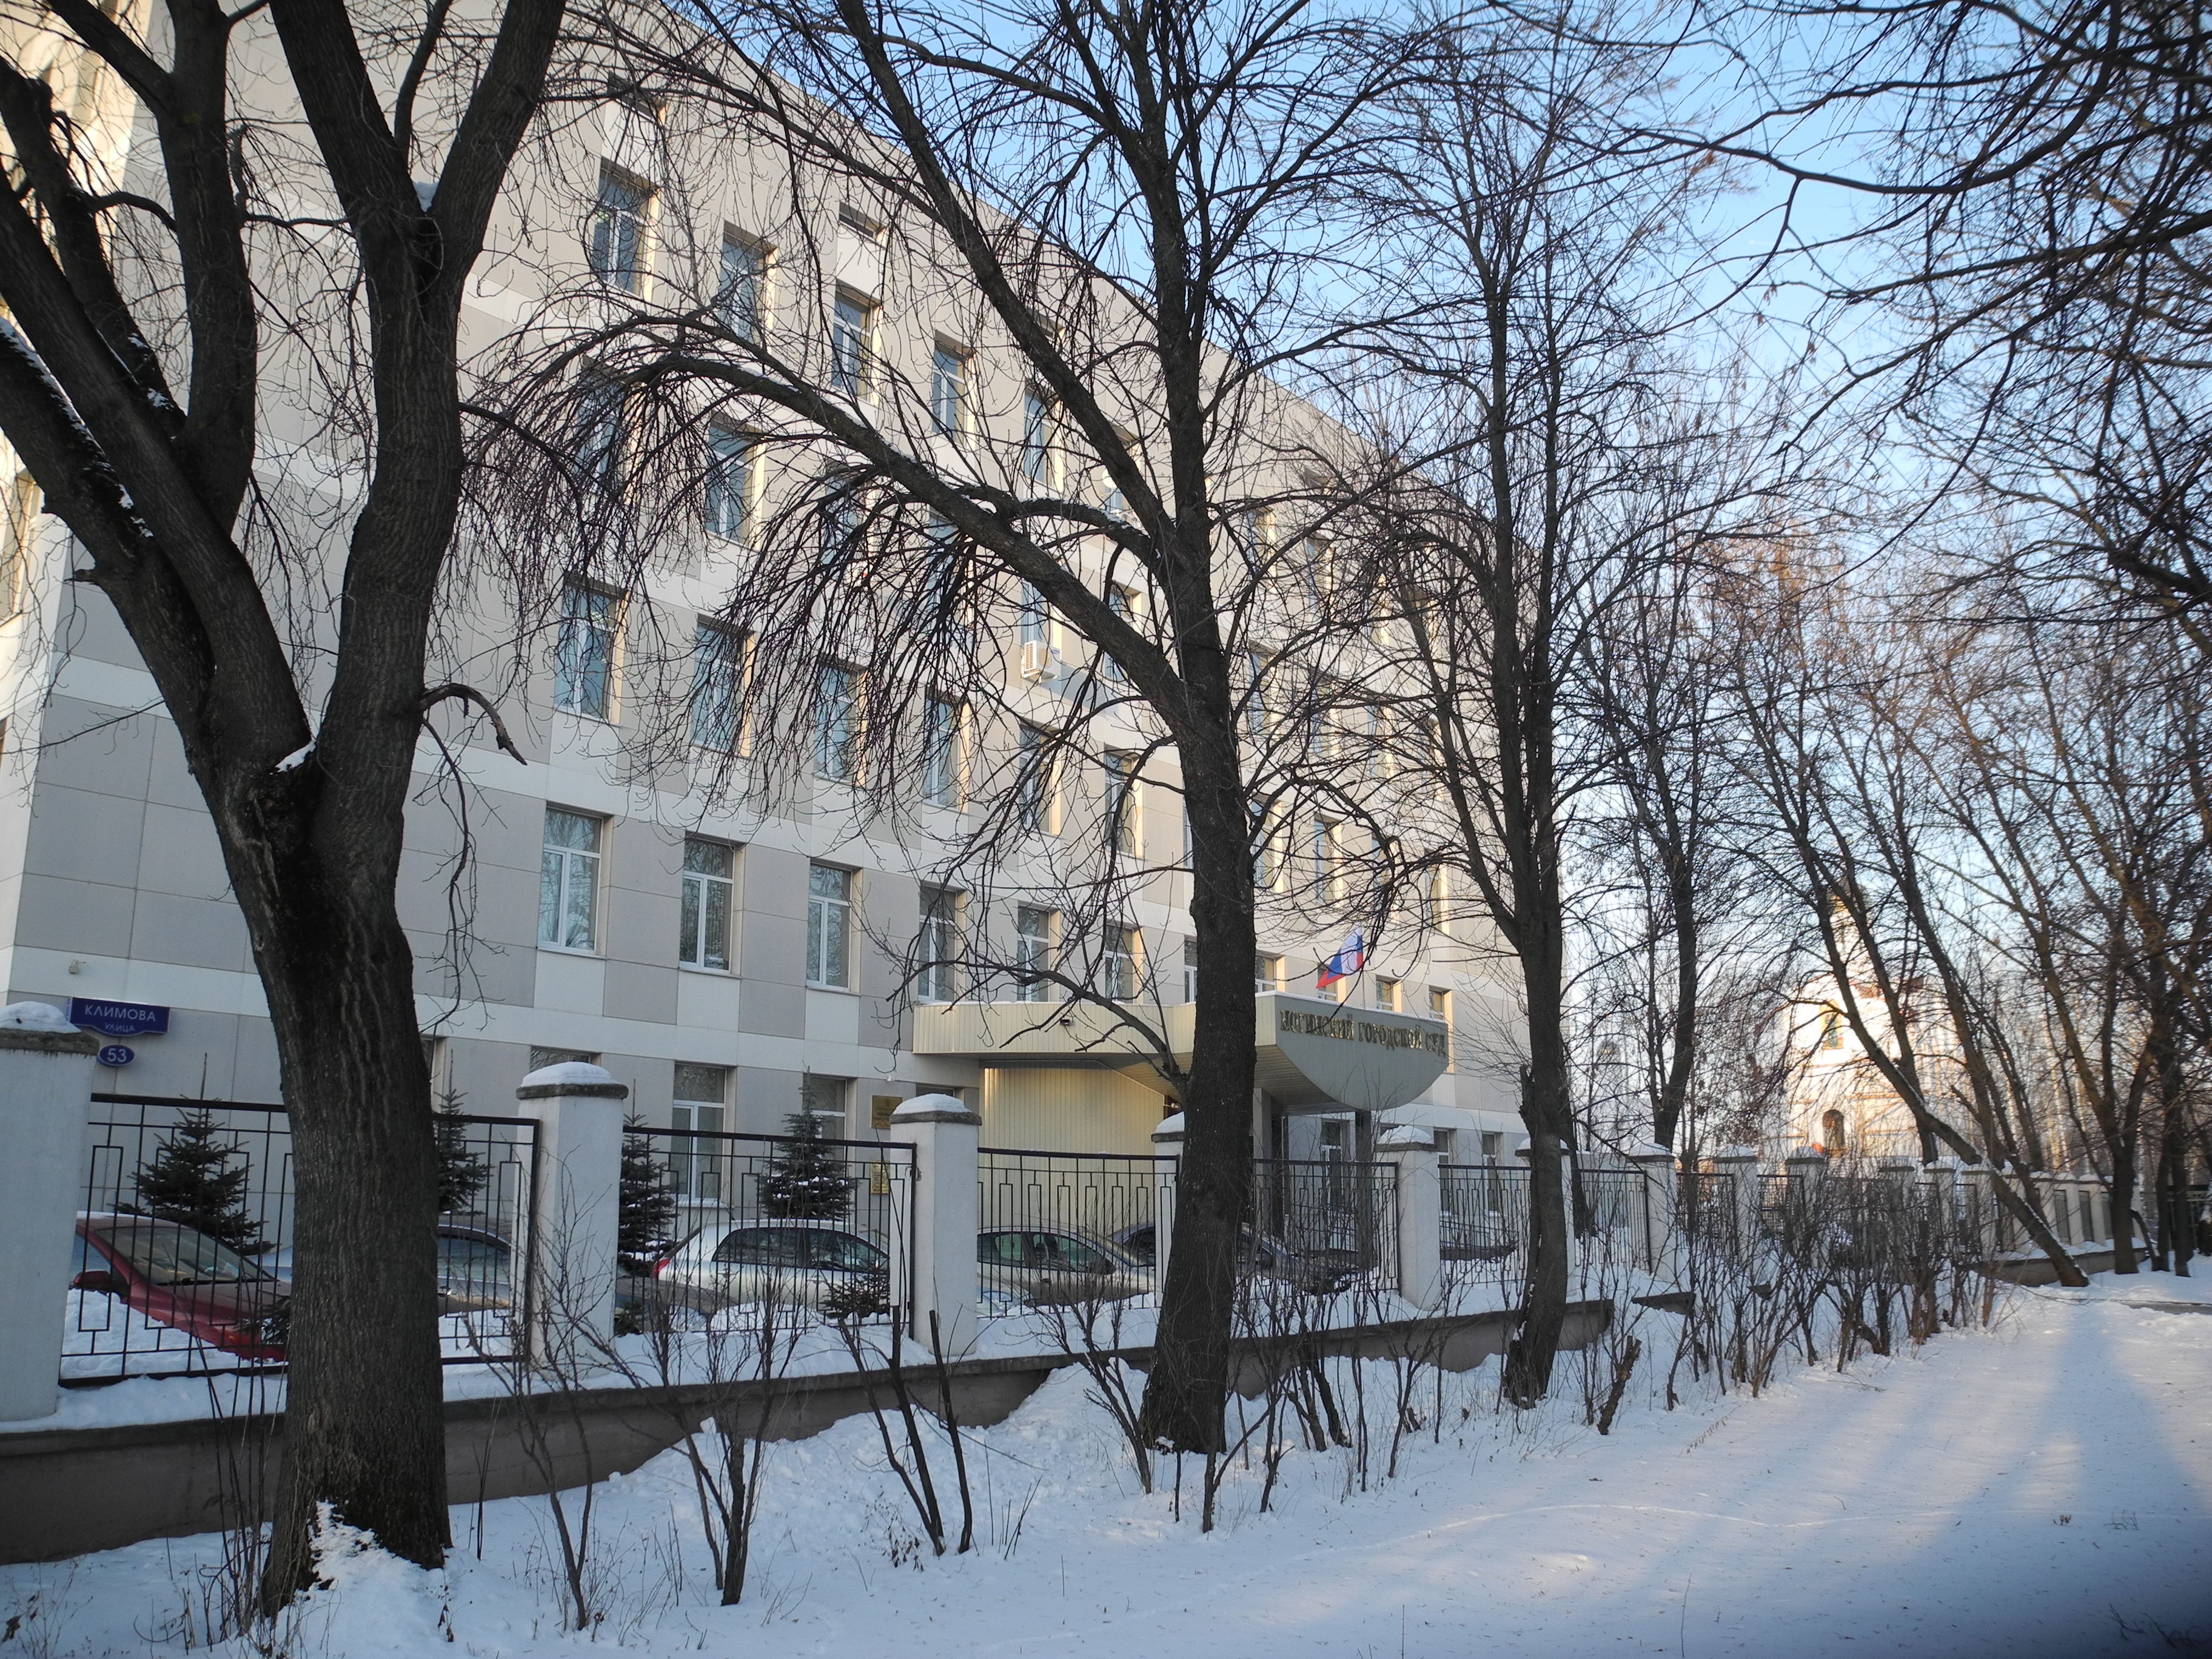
177, 1276
1320, 1272
475, 1269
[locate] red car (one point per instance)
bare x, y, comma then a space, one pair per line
177, 1276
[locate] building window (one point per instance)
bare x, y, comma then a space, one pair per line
1329, 876
717, 661
21, 532
1122, 603
948, 390
729, 482
940, 945
1035, 627
1386, 994
1267, 972
1124, 804
1831, 1132
1119, 960
825, 1099
1267, 864
701, 1107
541, 1058
1033, 780
619, 229
598, 429
744, 270
837, 723
940, 752
584, 663
568, 882
851, 335
1036, 435
1256, 706
708, 893
1832, 1030
1190, 970
1033, 931
1494, 1145
829, 927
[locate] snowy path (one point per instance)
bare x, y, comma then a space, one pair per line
2044, 1489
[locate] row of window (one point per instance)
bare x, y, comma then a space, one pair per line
568, 919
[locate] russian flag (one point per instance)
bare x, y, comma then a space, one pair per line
1350, 956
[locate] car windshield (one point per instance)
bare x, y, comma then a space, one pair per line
849, 1254
167, 1252
479, 1261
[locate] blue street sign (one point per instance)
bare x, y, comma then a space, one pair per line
116, 1054
119, 1019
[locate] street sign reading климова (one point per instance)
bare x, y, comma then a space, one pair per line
119, 1019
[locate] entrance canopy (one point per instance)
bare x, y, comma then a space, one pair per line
1314, 1055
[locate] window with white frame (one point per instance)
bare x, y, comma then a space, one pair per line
1122, 603
1124, 804
940, 752
1267, 972
829, 927
1037, 421
1266, 858
1119, 958
949, 400
598, 439
1255, 705
851, 343
584, 657
744, 277
717, 667
23, 508
568, 881
620, 219
1033, 931
1327, 864
1190, 970
700, 1108
836, 723
709, 893
1386, 994
729, 482
1033, 780
1035, 627
940, 946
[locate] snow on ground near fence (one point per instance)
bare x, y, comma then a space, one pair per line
2042, 1489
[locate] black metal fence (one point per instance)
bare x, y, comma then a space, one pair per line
1323, 1225
183, 1255
717, 1218
1485, 1222
1070, 1229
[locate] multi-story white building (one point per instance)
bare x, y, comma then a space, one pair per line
731, 963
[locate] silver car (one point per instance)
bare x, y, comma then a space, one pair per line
805, 1263
1042, 1265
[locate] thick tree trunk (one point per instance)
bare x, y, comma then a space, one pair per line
1546, 1112
2124, 1205
365, 1414
1186, 1393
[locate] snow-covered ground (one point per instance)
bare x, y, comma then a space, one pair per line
2043, 1488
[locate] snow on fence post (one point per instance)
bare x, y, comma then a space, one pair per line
1420, 1216
1656, 1211
575, 1213
944, 1131
45, 1085
1740, 1166
1167, 1142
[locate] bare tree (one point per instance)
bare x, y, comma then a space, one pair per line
153, 286
1114, 220
1535, 402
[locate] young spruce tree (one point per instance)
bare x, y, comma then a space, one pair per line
197, 1178
646, 1201
805, 1178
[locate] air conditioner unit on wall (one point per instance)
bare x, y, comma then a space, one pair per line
1040, 661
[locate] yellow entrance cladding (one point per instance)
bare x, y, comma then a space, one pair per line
1052, 1109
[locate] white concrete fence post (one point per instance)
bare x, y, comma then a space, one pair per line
1167, 1143
1421, 1205
1656, 1205
944, 1132
1740, 1166
575, 1213
1808, 1166
45, 1086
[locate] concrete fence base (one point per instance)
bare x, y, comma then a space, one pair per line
71, 1490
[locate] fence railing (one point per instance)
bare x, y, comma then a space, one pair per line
183, 1250
823, 1227
1322, 1225
1069, 1228
1485, 1222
